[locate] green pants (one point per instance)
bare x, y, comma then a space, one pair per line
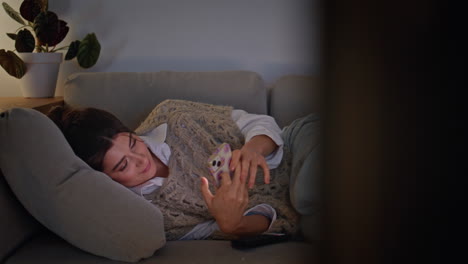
302, 138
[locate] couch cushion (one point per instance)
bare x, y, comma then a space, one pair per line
52, 250
83, 206
294, 96
132, 95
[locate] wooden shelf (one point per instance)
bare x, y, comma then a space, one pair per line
41, 104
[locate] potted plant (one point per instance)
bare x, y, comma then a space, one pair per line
36, 61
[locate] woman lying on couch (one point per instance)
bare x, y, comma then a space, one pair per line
165, 161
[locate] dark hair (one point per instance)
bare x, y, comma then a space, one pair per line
88, 131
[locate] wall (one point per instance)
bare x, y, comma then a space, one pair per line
271, 37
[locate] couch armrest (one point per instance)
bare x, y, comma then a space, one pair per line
294, 96
16, 224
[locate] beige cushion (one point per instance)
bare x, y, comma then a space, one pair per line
83, 206
132, 95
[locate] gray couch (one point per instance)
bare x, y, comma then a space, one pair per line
131, 96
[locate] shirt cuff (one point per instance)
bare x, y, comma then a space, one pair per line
265, 210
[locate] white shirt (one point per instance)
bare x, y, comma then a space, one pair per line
250, 125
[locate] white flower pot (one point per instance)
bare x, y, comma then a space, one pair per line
41, 75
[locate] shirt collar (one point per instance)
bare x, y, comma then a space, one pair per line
148, 186
155, 140
158, 134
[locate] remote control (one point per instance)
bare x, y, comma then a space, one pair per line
259, 240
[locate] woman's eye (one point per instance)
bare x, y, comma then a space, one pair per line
132, 141
124, 165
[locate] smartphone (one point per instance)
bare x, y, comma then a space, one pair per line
219, 162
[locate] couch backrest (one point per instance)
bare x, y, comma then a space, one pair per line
294, 96
131, 95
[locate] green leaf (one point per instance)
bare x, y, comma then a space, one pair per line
25, 41
72, 50
12, 13
49, 29
29, 9
89, 50
12, 64
11, 35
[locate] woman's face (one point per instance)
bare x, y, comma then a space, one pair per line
128, 161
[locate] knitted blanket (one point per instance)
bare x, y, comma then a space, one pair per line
194, 131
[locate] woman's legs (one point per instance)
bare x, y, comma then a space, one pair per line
302, 138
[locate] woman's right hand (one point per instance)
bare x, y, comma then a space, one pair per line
228, 205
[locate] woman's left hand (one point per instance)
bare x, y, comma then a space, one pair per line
251, 156
229, 202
